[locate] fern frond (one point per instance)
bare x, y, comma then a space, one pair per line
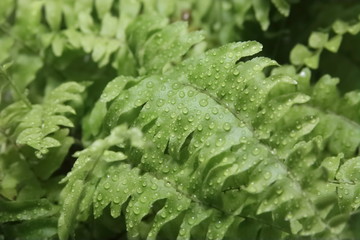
167, 45
128, 182
318, 41
10, 117
45, 119
283, 6
43, 228
90, 167
18, 181
217, 125
202, 130
331, 140
25, 210
32, 218
221, 144
102, 34
146, 41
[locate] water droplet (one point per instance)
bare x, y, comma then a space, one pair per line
160, 102
117, 200
166, 169
149, 84
107, 185
130, 224
203, 102
143, 199
99, 197
267, 175
227, 126
220, 142
191, 220
218, 224
136, 211
279, 191
138, 102
257, 67
256, 151
182, 232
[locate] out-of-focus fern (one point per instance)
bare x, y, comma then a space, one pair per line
318, 41
45, 119
98, 27
38, 126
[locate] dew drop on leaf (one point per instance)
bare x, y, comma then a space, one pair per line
220, 142
203, 102
116, 200
214, 110
182, 232
136, 211
99, 197
191, 220
227, 126
256, 151
107, 185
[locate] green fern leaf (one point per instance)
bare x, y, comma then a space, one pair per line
218, 118
90, 168
222, 144
43, 120
43, 228
216, 141
302, 55
283, 6
25, 210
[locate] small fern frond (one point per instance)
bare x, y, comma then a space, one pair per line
45, 119
25, 210
318, 41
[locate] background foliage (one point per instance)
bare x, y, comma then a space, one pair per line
167, 119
